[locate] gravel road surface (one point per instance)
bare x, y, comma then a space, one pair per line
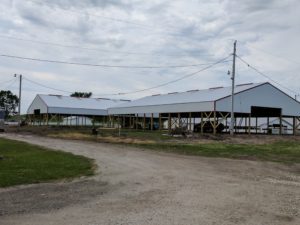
135, 186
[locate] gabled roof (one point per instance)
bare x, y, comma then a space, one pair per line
58, 101
193, 96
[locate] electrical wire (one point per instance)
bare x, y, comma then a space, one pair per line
7, 81
138, 25
172, 81
11, 84
143, 26
269, 53
42, 85
141, 90
101, 65
264, 75
95, 49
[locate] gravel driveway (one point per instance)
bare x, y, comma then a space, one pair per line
135, 186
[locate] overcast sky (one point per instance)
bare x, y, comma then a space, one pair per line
146, 33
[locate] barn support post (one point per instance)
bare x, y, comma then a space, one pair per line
178, 117
201, 123
246, 125
280, 123
194, 122
169, 122
234, 122
190, 122
256, 124
119, 126
57, 120
294, 125
160, 123
268, 124
249, 130
297, 124
151, 121
215, 124
144, 122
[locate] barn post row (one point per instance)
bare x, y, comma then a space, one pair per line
258, 108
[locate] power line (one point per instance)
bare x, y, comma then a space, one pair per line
101, 65
264, 75
94, 49
7, 81
173, 81
42, 85
10, 84
272, 54
143, 26
45, 86
141, 90
138, 25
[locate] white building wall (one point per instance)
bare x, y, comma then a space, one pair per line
264, 96
172, 108
77, 111
37, 103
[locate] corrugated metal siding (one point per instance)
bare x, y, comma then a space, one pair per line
168, 108
37, 103
71, 105
78, 111
206, 95
190, 101
265, 95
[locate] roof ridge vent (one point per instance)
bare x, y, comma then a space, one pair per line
103, 99
171, 93
156, 95
193, 90
125, 100
213, 88
243, 84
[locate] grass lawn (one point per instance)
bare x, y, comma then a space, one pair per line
284, 152
22, 163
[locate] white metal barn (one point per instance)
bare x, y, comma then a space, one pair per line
56, 109
212, 107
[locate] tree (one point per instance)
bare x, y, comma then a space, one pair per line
9, 102
81, 94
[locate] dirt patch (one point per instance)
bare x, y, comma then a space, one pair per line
48, 197
146, 187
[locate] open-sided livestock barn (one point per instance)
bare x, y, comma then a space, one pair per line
199, 110
56, 109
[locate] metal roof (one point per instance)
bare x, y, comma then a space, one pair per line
79, 103
57, 104
192, 96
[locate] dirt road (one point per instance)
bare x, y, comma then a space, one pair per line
144, 187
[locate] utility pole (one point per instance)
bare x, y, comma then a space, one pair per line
232, 89
20, 97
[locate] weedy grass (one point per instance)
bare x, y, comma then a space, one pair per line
284, 152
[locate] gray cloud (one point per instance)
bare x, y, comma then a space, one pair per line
182, 32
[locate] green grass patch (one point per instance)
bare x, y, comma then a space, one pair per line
285, 152
22, 163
